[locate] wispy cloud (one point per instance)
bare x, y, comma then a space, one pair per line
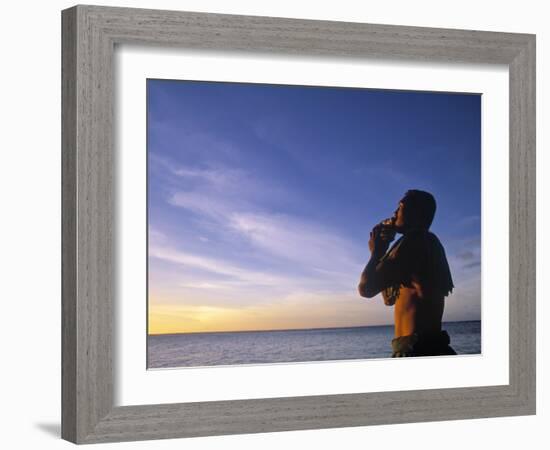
234, 203
468, 221
216, 189
300, 242
215, 177
289, 254
215, 266
297, 240
465, 255
213, 206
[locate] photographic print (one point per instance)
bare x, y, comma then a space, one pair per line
291, 224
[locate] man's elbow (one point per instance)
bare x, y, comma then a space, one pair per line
364, 291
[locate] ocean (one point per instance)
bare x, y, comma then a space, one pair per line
264, 347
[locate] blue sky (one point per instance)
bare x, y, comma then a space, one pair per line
261, 199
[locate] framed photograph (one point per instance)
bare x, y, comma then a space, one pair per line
267, 222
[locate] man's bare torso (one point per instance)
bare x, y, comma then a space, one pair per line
417, 311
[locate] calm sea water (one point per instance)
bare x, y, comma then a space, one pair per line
256, 347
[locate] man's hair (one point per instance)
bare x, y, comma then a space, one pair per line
420, 205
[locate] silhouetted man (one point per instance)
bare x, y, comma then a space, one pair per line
413, 275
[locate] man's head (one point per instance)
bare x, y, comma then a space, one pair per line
416, 210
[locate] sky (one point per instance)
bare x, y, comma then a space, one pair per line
261, 199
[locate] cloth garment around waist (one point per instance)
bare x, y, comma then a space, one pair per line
425, 344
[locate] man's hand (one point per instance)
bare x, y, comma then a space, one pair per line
380, 238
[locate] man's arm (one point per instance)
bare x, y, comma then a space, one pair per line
369, 284
382, 273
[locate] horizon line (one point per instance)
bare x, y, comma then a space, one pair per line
294, 329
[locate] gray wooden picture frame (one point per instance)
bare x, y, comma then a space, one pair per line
89, 37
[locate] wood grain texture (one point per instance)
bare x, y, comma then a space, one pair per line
88, 264
89, 36
68, 227
523, 224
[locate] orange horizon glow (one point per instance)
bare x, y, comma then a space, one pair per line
169, 318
